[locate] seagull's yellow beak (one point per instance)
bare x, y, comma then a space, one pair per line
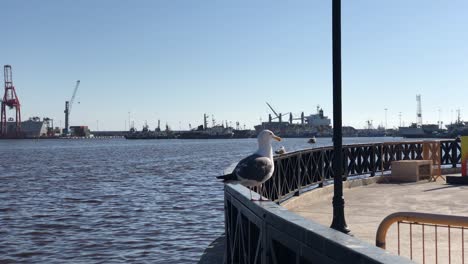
276, 138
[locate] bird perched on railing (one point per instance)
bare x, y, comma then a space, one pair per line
281, 150
257, 168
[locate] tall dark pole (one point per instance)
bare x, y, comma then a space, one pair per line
338, 222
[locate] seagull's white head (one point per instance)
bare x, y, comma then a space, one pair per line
264, 138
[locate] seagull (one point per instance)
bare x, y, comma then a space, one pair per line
257, 168
281, 150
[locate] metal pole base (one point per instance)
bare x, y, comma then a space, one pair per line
339, 222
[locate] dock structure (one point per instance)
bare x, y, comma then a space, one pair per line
267, 232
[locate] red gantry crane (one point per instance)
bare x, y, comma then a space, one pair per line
11, 100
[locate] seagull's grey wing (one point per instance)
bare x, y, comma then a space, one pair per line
254, 167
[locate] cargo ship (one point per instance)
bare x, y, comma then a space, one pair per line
33, 128
422, 131
244, 133
215, 132
459, 128
201, 132
146, 133
314, 125
205, 132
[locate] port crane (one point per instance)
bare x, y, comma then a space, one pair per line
68, 108
10, 100
369, 125
278, 116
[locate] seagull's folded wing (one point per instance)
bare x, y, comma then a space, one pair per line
254, 168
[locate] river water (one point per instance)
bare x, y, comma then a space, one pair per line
117, 200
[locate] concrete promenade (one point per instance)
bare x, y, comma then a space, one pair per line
367, 205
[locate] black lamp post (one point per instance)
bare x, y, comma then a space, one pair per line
338, 222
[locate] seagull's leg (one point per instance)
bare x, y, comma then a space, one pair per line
259, 191
260, 188
252, 199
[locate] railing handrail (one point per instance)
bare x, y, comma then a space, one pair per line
293, 153
304, 168
420, 218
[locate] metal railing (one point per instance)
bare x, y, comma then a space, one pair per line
429, 237
264, 233
299, 171
267, 233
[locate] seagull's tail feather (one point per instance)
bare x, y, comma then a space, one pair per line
228, 178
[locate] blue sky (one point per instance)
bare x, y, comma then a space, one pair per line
176, 60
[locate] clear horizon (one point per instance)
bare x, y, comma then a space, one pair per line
176, 60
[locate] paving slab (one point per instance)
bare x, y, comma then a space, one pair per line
366, 206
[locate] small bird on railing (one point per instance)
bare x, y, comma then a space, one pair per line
281, 150
257, 168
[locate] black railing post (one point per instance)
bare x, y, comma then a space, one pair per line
299, 174
321, 169
372, 160
454, 153
345, 163
338, 222
279, 189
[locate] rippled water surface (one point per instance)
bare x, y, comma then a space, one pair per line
92, 201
